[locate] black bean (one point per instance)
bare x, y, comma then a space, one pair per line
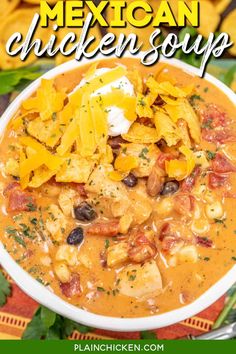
170, 187
85, 212
130, 181
76, 236
115, 142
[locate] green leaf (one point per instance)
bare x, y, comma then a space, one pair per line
5, 289
48, 325
35, 328
15, 80
48, 317
148, 335
228, 78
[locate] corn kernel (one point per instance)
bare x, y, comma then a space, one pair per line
62, 272
214, 210
68, 254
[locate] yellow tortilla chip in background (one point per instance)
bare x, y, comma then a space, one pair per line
7, 7
19, 21
221, 5
228, 26
209, 18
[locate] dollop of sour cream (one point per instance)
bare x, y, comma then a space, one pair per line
117, 122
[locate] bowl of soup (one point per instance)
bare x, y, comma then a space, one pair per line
118, 192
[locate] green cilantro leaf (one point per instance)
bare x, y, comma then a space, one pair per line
5, 289
48, 325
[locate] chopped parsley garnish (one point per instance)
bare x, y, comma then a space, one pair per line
233, 258
219, 221
32, 207
99, 288
208, 124
34, 221
20, 240
195, 98
107, 243
141, 102
143, 154
206, 259
211, 155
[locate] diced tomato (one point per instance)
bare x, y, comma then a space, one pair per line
165, 230
142, 253
72, 288
169, 242
190, 181
229, 195
141, 239
19, 200
216, 180
9, 187
221, 164
204, 242
162, 158
213, 117
109, 228
184, 204
218, 136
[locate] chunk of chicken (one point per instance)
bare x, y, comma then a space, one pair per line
99, 184
140, 280
66, 200
56, 222
117, 254
147, 156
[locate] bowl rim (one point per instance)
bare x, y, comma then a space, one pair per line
47, 298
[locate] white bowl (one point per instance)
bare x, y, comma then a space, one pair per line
45, 297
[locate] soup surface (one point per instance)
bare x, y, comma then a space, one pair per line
118, 187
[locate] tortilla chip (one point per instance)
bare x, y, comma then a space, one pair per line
221, 5
47, 101
7, 7
166, 128
209, 18
139, 133
229, 27
75, 169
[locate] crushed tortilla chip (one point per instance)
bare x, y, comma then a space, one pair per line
139, 133
47, 100
166, 128
43, 157
189, 115
75, 169
136, 79
41, 176
47, 132
143, 108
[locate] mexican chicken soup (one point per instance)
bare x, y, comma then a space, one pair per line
118, 187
